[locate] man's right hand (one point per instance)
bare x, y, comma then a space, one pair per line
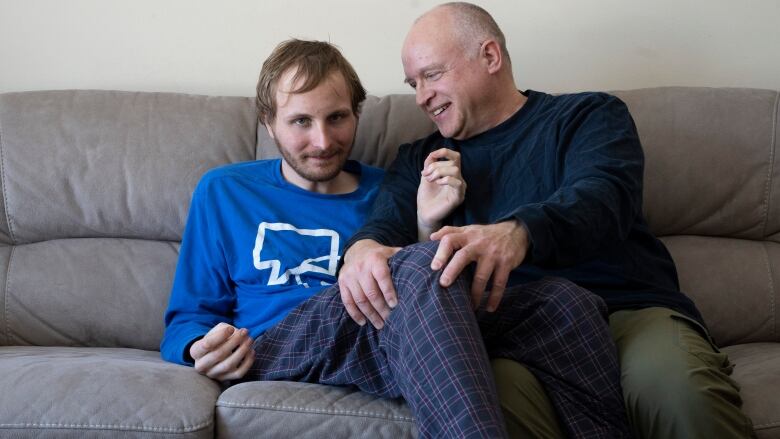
224, 353
365, 282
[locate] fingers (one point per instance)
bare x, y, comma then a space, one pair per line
455, 266
479, 283
496, 248
366, 285
445, 249
385, 281
345, 289
220, 353
361, 298
441, 158
237, 364
214, 338
370, 300
442, 153
500, 279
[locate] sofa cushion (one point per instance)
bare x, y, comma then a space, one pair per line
757, 370
101, 392
301, 410
710, 160
732, 283
98, 292
93, 163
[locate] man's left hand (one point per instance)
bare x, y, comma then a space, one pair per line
496, 248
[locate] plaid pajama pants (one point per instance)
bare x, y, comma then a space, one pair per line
434, 350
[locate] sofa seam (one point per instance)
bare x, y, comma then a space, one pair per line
772, 147
772, 308
314, 411
7, 285
772, 151
768, 424
5, 185
122, 427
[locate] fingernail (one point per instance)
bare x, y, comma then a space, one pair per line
435, 265
361, 322
444, 281
491, 308
392, 302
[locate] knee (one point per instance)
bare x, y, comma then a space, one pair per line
413, 260
667, 393
414, 279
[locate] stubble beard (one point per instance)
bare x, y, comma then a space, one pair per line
312, 173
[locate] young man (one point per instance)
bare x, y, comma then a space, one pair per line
262, 243
554, 189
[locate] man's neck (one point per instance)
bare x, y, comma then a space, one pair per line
509, 106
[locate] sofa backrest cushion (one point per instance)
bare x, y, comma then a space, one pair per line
95, 191
712, 193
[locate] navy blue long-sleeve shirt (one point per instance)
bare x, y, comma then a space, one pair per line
570, 168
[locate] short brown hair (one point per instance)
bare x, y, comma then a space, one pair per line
314, 62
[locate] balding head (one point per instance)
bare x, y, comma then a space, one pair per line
469, 24
454, 57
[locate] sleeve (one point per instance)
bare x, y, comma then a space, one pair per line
599, 195
202, 295
393, 217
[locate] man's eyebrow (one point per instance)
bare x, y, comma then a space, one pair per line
297, 116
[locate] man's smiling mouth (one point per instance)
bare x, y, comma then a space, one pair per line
439, 110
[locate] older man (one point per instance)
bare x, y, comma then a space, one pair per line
554, 188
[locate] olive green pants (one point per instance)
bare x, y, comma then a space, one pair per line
676, 384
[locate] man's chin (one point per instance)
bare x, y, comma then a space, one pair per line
321, 174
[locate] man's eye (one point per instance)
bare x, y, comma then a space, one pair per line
336, 117
433, 75
412, 84
301, 121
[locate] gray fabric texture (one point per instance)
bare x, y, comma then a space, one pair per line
302, 410
102, 163
107, 292
101, 392
757, 370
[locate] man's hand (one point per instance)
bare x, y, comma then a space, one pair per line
496, 248
441, 190
224, 353
365, 282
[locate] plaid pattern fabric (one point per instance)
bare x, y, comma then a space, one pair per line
433, 351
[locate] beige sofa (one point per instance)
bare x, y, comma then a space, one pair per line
95, 191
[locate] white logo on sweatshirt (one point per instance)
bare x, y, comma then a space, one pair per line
277, 277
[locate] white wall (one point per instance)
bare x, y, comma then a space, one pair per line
216, 47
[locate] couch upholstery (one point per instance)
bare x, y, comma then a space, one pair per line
95, 191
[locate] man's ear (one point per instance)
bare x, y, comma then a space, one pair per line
491, 55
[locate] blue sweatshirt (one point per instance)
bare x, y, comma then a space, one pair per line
256, 246
570, 168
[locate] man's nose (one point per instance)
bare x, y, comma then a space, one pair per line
323, 138
423, 94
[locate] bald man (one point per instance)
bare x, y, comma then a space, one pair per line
553, 188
